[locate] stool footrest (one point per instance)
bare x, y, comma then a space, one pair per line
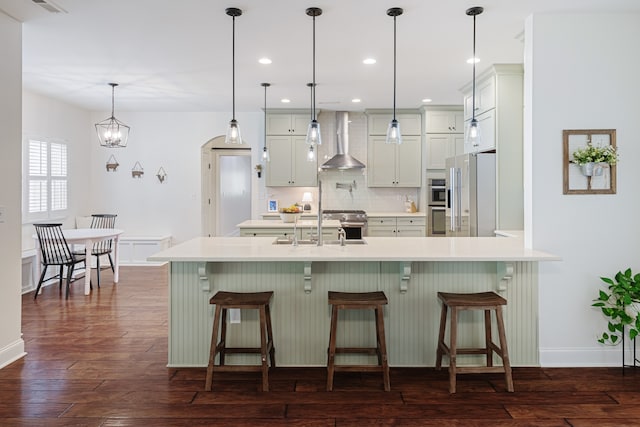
480, 369
247, 350
238, 368
358, 368
357, 350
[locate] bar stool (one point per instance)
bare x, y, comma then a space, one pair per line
224, 301
486, 301
358, 301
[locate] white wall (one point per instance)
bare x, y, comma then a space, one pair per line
145, 207
582, 73
11, 343
44, 117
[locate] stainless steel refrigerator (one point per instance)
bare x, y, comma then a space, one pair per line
471, 195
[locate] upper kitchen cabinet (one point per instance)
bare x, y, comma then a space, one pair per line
282, 123
444, 120
499, 107
444, 126
391, 165
288, 166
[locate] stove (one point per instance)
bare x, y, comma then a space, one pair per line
354, 222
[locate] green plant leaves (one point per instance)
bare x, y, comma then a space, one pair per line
621, 304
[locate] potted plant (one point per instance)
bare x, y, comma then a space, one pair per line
590, 156
620, 303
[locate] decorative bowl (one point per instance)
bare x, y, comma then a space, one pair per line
289, 216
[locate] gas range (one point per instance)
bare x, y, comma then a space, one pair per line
354, 222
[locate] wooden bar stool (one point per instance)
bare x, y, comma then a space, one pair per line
224, 301
486, 301
358, 301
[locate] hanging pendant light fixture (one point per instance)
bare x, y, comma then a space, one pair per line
112, 133
311, 154
265, 150
473, 136
313, 131
393, 131
233, 131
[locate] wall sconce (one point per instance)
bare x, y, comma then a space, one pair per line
258, 169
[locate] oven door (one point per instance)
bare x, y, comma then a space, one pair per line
437, 196
354, 230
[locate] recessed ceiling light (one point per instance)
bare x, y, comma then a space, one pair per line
427, 100
265, 61
473, 60
369, 61
285, 100
356, 100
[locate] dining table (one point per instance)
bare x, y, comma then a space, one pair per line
87, 237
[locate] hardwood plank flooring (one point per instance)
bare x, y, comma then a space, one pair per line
100, 360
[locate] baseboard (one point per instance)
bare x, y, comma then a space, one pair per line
603, 356
12, 352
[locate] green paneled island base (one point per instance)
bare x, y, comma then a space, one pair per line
409, 271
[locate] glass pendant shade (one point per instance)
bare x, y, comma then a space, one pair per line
394, 136
313, 133
233, 133
112, 133
311, 154
474, 136
265, 155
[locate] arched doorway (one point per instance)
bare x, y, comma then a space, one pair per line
226, 186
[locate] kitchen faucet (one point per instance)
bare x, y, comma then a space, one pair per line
319, 213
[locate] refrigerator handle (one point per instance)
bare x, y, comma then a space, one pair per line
452, 199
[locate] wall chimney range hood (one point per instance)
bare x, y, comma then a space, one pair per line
342, 160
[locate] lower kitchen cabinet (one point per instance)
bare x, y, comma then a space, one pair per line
329, 233
397, 226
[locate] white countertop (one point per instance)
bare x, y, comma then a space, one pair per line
234, 249
278, 223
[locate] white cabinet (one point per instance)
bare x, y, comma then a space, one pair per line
390, 226
305, 233
288, 166
444, 121
287, 124
444, 134
499, 91
410, 123
391, 165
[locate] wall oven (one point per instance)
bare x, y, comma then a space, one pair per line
437, 210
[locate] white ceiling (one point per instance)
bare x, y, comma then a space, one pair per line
170, 55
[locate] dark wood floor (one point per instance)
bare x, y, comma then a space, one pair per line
100, 360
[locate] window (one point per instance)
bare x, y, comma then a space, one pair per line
45, 175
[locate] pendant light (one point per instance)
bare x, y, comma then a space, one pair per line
311, 154
112, 133
313, 131
473, 136
393, 131
233, 131
265, 150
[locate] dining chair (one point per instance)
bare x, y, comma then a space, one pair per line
55, 251
103, 247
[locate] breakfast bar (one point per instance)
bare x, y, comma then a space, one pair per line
410, 271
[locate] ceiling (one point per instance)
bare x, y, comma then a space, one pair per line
176, 55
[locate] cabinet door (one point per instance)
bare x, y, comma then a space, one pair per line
300, 123
486, 95
381, 167
438, 149
278, 124
378, 123
445, 121
409, 162
304, 173
278, 169
410, 124
487, 125
381, 231
457, 145
415, 231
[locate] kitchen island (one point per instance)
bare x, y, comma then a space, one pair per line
410, 271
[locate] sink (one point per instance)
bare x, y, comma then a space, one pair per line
347, 242
285, 241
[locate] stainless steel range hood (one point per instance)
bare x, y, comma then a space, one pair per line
342, 160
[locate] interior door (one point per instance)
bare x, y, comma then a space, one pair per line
233, 191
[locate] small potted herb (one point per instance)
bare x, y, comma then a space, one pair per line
620, 303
